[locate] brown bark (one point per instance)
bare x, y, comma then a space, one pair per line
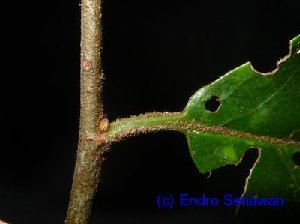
89, 155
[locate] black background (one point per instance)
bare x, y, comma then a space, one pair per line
156, 55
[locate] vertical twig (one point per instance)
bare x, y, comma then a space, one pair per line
89, 156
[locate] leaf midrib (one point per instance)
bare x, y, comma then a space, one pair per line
153, 122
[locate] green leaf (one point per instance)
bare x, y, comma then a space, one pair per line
256, 111
242, 109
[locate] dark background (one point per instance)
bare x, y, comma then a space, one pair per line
156, 55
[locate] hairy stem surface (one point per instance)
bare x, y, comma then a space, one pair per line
89, 155
175, 121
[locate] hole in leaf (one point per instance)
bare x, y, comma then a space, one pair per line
298, 48
232, 178
213, 104
266, 54
249, 160
296, 158
250, 157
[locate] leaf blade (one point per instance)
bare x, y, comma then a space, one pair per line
259, 109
